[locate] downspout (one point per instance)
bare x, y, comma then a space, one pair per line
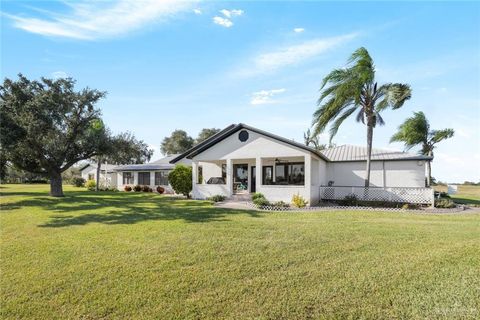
384, 175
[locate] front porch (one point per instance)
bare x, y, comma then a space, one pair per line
278, 178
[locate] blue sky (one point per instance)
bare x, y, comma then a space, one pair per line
188, 65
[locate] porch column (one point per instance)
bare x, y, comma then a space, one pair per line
229, 177
194, 178
258, 174
308, 177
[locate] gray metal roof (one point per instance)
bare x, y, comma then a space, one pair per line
161, 164
358, 153
108, 167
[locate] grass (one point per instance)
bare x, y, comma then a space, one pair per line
145, 256
466, 194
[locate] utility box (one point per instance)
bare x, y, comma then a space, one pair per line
452, 189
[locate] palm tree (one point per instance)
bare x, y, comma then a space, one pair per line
353, 89
415, 131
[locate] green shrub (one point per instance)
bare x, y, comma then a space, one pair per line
127, 188
90, 184
137, 188
350, 200
257, 195
78, 181
441, 194
217, 198
280, 204
180, 179
299, 201
444, 203
261, 202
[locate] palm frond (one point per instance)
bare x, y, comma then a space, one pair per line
339, 120
360, 116
393, 95
439, 135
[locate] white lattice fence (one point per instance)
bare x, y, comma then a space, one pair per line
407, 195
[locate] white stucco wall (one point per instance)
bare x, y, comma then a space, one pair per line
89, 170
382, 174
121, 186
405, 173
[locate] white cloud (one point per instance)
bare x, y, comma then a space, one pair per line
92, 20
59, 74
197, 11
298, 30
265, 96
224, 22
294, 54
231, 13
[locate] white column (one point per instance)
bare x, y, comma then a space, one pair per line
258, 174
152, 179
229, 177
308, 177
194, 178
135, 177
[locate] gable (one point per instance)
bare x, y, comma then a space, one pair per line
257, 145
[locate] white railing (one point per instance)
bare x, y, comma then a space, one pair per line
390, 194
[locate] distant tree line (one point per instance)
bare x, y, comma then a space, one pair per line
179, 141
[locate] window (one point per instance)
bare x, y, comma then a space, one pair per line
267, 175
144, 178
128, 178
290, 173
200, 175
161, 178
91, 176
224, 171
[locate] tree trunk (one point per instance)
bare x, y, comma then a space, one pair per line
99, 164
369, 151
56, 188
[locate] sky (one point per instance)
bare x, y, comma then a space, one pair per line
170, 65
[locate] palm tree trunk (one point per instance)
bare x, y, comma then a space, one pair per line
429, 169
429, 173
99, 164
369, 151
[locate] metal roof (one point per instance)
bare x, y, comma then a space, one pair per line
103, 167
161, 164
358, 153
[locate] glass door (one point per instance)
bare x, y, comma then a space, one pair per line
240, 178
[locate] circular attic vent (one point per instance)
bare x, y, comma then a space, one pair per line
243, 135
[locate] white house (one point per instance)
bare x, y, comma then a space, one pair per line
241, 159
152, 174
107, 175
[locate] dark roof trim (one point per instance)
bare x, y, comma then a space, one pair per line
83, 167
195, 147
231, 130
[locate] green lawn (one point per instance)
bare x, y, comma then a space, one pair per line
144, 256
466, 194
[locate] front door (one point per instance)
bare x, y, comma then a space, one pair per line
253, 179
240, 178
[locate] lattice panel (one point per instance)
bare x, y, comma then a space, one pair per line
408, 195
